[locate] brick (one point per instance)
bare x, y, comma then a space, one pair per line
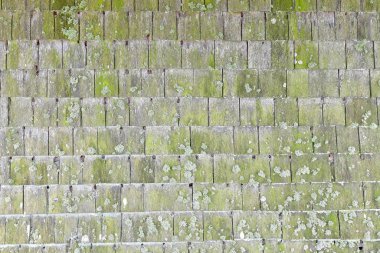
371, 195
60, 141
140, 24
272, 83
300, 246
179, 82
253, 25
106, 83
245, 140
346, 25
152, 83
282, 54
306, 55
280, 169
133, 54
211, 26
224, 111
20, 25
347, 140
22, 54
237, 5
171, 5
311, 168
157, 197
333, 111
286, 111
368, 139
164, 54
168, 140
42, 230
41, 23
111, 229
82, 83
324, 83
85, 141
50, 54
65, 227
218, 226
332, 55
36, 141
156, 112
130, 83
259, 54
168, 169
369, 5
143, 169
193, 112
257, 112
197, 5
216, 5
3, 53
4, 115
210, 246
20, 104
350, 5
107, 198
18, 229
162, 223
261, 5
279, 5
35, 83
59, 83
367, 26
96, 5
361, 111
188, 226
11, 199
328, 5
277, 27
213, 140
99, 55
67, 25
89, 228
93, 112
323, 26
358, 224
74, 54
248, 245
116, 25
69, 112
354, 83
324, 139
251, 199
231, 55
6, 25
198, 168
310, 112
122, 5
35, 199
117, 111
189, 27
375, 83
371, 245
300, 27
132, 198
11, 143
72, 169
12, 83
208, 83
198, 54
91, 25
240, 83
377, 54
360, 54
147, 5
356, 168
275, 140
232, 25
164, 26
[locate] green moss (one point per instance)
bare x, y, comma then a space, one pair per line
306, 56
106, 84
305, 5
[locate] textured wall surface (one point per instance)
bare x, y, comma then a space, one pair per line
189, 126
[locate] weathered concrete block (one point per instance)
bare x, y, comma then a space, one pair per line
85, 141
106, 84
132, 198
280, 168
169, 5
251, 200
81, 83
310, 112
224, 111
361, 111
59, 83
18, 229
98, 5
359, 224
189, 27
356, 168
286, 111
72, 169
198, 54
6, 25
152, 82
193, 112
367, 26
12, 84
207, 83
179, 82
238, 5
231, 54
107, 198
164, 26
277, 27
11, 200
188, 226
168, 169
346, 25
197, 168
371, 195
91, 25
210, 246
306, 55
368, 140
116, 25
130, 83
122, 5
164, 54
259, 54
302, 246
142, 169
17, 105
22, 54
167, 197
20, 25
253, 25
74, 54
347, 140
218, 226
257, 112
334, 111
36, 141
35, 83
93, 112
232, 23
282, 54
272, 83
211, 26
213, 140
240, 83
111, 228
60, 141
324, 139
350, 5
117, 111
69, 112
311, 168
360, 54
42, 229
254, 246
100, 55
131, 54
246, 140
324, 83
50, 54
323, 26
146, 5
11, 142
89, 228
168, 140
300, 27
332, 55
140, 24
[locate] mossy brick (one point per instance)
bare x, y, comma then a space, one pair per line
59, 199
243, 169
197, 168
334, 111
83, 199
259, 53
167, 140
116, 25
22, 54
164, 54
282, 54
98, 5
18, 229
198, 54
36, 141
193, 5
189, 26
231, 54
10, 248
70, 83
308, 5
208, 83
100, 55
286, 111
131, 54
143, 169
106, 83
111, 228
152, 82
278, 5
257, 112
211, 26
188, 226
35, 83
60, 141
254, 246
59, 4
213, 140
238, 5
324, 83
306, 55
280, 168
369, 5
276, 140
91, 25
371, 195
50, 54
167, 197
146, 5
42, 229
168, 169
74, 54
193, 112
310, 225
246, 140
232, 25
328, 5
252, 225
6, 25
71, 169
110, 169
93, 112
164, 26
272, 83
169, 5
107, 198
354, 83
277, 27
368, 140
12, 143
361, 111
251, 200
89, 228
310, 112
224, 111
130, 83
346, 25
277, 245
140, 24
253, 25
12, 83
300, 27
132, 198
20, 25
159, 226
377, 53
218, 226
20, 104
332, 55
356, 168
240, 83
219, 5
22, 171
207, 246
138, 247
347, 140
98, 248
311, 168
324, 139
117, 111
11, 199
359, 224
69, 112
179, 82
360, 54
85, 141
4, 118
323, 26
153, 111
350, 5
371, 246
66, 25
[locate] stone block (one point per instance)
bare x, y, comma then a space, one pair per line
208, 83
189, 27
59, 83
277, 27
50, 54
361, 111
36, 141
179, 82
116, 25
246, 140
346, 25
272, 83
369, 138
111, 229
132, 198
231, 55
211, 26
98, 5
300, 26
106, 84
306, 55
18, 229
371, 195
218, 226
198, 54
238, 5
334, 111
298, 83
69, 112
6, 25
11, 199
280, 169
143, 169
347, 140
100, 55
259, 53
85, 141
312, 168
164, 26
257, 112
356, 168
117, 111
168, 169
41, 23
107, 198
164, 54
17, 105
332, 55
253, 25
310, 112
278, 5
140, 24
72, 169
193, 112
188, 226
93, 112
197, 168
91, 25
360, 54
74, 54
323, 26
171, 5
324, 83
210, 246
168, 140
214, 140
42, 229
11, 142
240, 83
354, 83
359, 224
89, 228
20, 25
153, 82
282, 54
232, 25
12, 84
131, 54
122, 5
251, 200
324, 139
224, 111
286, 111
60, 141
253, 246
167, 197
350, 5
22, 54
35, 83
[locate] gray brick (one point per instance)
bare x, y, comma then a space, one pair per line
168, 169
360, 54
35, 83
198, 54
300, 26
347, 140
368, 140
361, 111
253, 25
323, 26
286, 111
179, 82
210, 246
115, 25
259, 54
377, 54
354, 83
85, 141
311, 168
89, 228
251, 200
132, 198
272, 83
218, 226
167, 140
60, 141
257, 112
93, 112
117, 111
282, 54
197, 168
44, 112
352, 224
368, 26
231, 55
12, 83
20, 104
213, 140
6, 25
224, 111
246, 140
310, 112
371, 195
346, 25
140, 24
131, 54
189, 27
324, 83
211, 26
332, 55
334, 111
280, 168
74, 54
71, 169
277, 27
193, 231
106, 83
208, 83
69, 112
240, 83
152, 83
12, 143
107, 198
50, 54
18, 229
20, 25
356, 168
232, 23
167, 197
324, 139
164, 26
35, 199
22, 54
99, 55
193, 112
36, 141
11, 200
164, 54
